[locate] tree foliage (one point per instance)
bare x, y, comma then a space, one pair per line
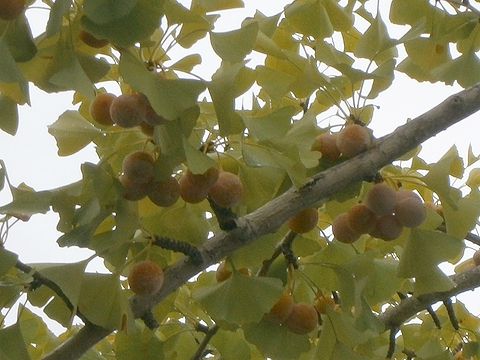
316, 59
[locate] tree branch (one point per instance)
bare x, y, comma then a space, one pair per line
395, 316
269, 218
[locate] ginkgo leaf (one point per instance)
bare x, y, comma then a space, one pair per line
234, 45
310, 18
103, 303
232, 300
271, 126
223, 89
72, 132
13, 344
20, 40
424, 250
8, 115
438, 180
169, 97
27, 202
276, 341
7, 260
143, 19
433, 281
58, 10
197, 161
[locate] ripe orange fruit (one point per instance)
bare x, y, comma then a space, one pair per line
100, 108
342, 232
303, 318
227, 190
281, 310
145, 278
353, 140
381, 199
191, 193
11, 9
326, 143
304, 221
164, 193
138, 167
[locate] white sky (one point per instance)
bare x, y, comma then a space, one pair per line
31, 155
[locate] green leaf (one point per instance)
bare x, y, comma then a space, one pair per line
231, 345
403, 12
72, 132
197, 161
20, 40
224, 88
438, 179
274, 125
232, 300
104, 11
9, 72
170, 98
433, 281
341, 18
375, 41
383, 78
424, 250
7, 260
273, 81
103, 303
276, 341
234, 45
215, 5
309, 18
8, 115
465, 70
27, 202
13, 346
329, 55
187, 63
74, 77
142, 19
463, 217
59, 9
289, 161
139, 344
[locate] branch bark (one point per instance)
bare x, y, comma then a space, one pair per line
269, 218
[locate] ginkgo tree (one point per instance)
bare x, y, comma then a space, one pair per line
193, 175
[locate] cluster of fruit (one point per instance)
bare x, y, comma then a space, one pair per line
383, 215
126, 111
300, 318
138, 181
350, 141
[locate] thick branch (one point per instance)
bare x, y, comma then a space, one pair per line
395, 316
272, 215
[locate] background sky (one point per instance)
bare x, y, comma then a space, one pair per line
31, 155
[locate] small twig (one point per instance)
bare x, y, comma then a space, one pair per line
225, 216
410, 354
451, 313
150, 320
209, 333
179, 246
391, 343
434, 316
290, 257
288, 238
39, 279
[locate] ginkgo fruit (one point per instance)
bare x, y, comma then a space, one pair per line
92, 41
353, 140
100, 108
410, 212
128, 110
11, 9
223, 273
132, 190
191, 193
206, 180
387, 228
138, 167
227, 191
381, 199
145, 278
326, 144
304, 221
476, 258
342, 231
361, 219
303, 318
281, 310
164, 193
